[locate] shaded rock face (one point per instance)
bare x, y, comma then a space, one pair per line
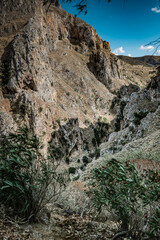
137, 114
54, 2
119, 102
106, 67
69, 140
143, 103
154, 84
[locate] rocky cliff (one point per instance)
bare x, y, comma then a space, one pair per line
137, 117
46, 72
58, 75
46, 54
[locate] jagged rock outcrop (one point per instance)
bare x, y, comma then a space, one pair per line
71, 143
137, 115
106, 68
13, 17
119, 102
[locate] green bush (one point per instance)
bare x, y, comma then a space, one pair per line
154, 228
72, 170
97, 153
67, 160
94, 142
85, 159
40, 109
134, 198
138, 116
85, 111
55, 152
25, 177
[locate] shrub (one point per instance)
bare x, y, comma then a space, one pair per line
76, 178
105, 120
85, 159
138, 116
40, 109
55, 152
72, 170
85, 112
94, 142
133, 198
58, 121
97, 153
67, 160
25, 176
154, 227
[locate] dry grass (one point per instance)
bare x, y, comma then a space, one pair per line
146, 164
11, 229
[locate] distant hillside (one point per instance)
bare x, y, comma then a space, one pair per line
148, 60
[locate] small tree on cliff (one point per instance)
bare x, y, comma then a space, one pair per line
80, 5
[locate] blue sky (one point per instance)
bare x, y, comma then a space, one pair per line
128, 25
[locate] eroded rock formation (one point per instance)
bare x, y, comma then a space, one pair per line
54, 67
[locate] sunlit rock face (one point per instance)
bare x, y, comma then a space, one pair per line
46, 50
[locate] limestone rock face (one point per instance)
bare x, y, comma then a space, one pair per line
7, 124
137, 115
145, 102
107, 69
47, 53
13, 16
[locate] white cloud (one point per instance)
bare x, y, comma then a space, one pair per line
155, 9
129, 55
118, 51
157, 52
147, 48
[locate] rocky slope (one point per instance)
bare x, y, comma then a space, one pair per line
60, 79
148, 60
138, 115
139, 70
